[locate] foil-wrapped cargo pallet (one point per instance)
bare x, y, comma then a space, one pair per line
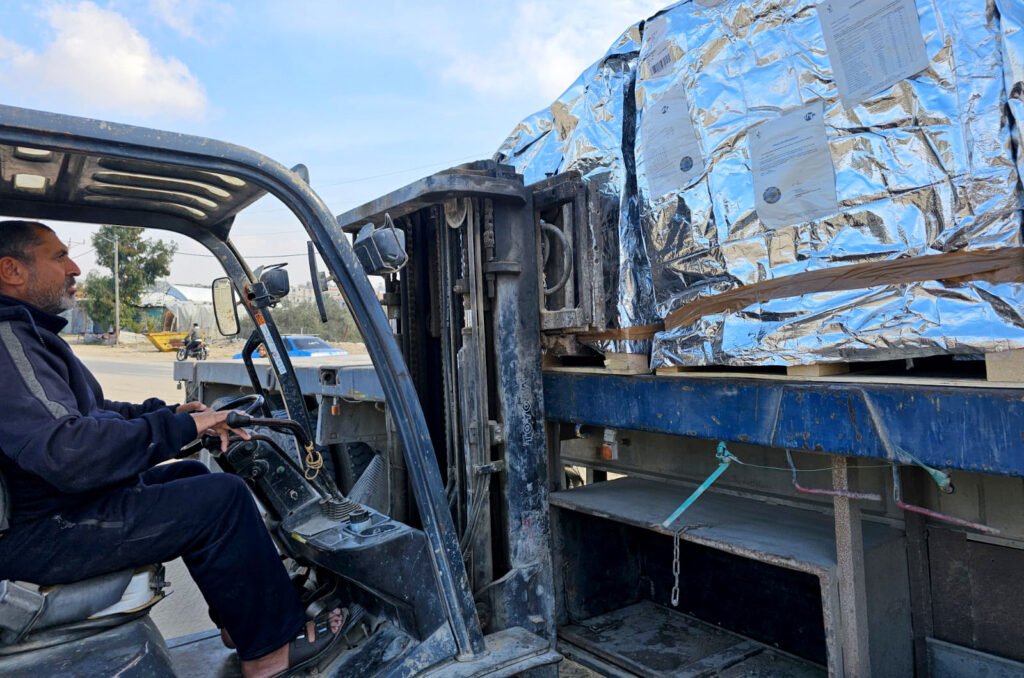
785, 183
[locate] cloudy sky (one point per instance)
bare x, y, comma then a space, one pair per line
370, 96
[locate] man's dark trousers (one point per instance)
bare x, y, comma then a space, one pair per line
175, 509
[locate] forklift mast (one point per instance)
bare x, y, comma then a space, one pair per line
464, 310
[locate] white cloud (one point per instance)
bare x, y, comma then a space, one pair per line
491, 48
545, 45
99, 62
192, 18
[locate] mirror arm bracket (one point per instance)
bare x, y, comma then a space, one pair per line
258, 295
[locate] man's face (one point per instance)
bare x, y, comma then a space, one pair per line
50, 280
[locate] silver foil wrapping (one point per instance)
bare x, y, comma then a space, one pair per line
929, 165
1011, 22
923, 167
590, 129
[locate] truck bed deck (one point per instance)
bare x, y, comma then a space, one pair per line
351, 377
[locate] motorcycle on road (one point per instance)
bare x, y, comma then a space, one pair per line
198, 351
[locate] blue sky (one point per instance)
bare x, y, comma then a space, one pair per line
370, 96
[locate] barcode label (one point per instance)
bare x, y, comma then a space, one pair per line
660, 64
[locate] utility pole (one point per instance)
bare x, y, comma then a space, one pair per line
117, 295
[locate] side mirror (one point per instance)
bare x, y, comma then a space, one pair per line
224, 307
275, 281
381, 251
318, 281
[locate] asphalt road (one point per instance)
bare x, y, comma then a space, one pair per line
133, 366
132, 375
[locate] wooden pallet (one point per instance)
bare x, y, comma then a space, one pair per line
612, 363
1004, 368
628, 363
818, 370
1007, 366
752, 370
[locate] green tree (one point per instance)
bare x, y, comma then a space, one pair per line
303, 318
140, 263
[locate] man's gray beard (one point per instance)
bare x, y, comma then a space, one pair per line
53, 303
67, 302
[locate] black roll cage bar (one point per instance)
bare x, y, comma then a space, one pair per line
83, 143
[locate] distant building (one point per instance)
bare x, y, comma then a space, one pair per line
301, 294
79, 322
174, 308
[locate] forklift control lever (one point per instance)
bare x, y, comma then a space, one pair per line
238, 419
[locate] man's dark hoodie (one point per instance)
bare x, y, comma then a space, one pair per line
61, 443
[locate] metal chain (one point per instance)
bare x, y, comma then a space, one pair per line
676, 539
675, 568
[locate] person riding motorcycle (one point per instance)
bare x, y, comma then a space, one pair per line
90, 493
193, 340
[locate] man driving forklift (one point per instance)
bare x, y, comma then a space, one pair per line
90, 493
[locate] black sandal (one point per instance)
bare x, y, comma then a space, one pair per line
303, 653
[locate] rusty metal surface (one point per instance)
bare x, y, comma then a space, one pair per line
607, 565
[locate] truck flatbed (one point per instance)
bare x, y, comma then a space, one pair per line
351, 377
970, 425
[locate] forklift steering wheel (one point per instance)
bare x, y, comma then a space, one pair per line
250, 403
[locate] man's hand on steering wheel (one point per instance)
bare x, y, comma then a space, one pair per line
214, 423
206, 418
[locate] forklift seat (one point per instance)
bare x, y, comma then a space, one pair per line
33, 617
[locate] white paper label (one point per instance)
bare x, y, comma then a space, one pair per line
872, 44
670, 150
794, 180
272, 349
658, 57
655, 31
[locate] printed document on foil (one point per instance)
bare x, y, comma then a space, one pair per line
658, 57
872, 44
794, 180
670, 152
